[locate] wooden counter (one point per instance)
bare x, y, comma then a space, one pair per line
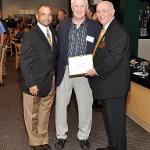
138, 105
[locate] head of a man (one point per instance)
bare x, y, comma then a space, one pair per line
61, 14
105, 12
44, 15
79, 8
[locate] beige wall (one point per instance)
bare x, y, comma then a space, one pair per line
14, 6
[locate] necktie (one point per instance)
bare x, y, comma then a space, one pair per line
98, 41
49, 37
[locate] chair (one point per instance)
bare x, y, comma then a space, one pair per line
9, 45
3, 52
17, 49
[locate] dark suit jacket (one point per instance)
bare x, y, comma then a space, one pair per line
38, 61
112, 64
93, 29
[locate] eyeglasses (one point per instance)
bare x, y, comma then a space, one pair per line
103, 11
76, 7
45, 15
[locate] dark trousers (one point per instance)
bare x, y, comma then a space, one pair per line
115, 120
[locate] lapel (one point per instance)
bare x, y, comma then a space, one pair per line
110, 27
106, 34
42, 36
91, 32
65, 35
68, 25
88, 32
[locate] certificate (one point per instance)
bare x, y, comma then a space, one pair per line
79, 65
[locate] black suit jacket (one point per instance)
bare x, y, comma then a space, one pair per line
112, 64
38, 61
93, 29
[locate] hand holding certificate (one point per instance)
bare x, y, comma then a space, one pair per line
79, 65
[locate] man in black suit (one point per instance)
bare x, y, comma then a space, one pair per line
37, 65
110, 78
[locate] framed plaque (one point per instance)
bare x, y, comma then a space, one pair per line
79, 65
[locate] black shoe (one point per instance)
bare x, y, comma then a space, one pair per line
106, 148
1, 84
60, 144
85, 144
97, 105
4, 76
102, 149
37, 147
46, 147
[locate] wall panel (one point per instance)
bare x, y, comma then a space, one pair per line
13, 6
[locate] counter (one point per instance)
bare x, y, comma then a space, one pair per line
138, 103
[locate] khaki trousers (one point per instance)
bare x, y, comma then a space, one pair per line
84, 102
36, 116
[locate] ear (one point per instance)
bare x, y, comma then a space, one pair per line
72, 8
86, 8
113, 12
36, 16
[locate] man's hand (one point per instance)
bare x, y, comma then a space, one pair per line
34, 90
91, 72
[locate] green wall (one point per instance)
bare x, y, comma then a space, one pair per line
130, 12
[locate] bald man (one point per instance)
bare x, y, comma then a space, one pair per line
110, 80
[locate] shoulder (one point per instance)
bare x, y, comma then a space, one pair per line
92, 25
64, 26
52, 30
30, 35
117, 34
118, 29
119, 26
92, 22
65, 22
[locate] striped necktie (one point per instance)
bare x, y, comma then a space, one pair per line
49, 37
98, 41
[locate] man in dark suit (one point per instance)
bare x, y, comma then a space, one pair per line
37, 65
110, 78
77, 36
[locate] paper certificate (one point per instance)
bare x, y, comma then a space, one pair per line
79, 65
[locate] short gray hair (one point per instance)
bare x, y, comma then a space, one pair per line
86, 3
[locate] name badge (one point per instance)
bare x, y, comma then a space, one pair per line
90, 39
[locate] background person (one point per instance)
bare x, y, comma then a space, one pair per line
61, 15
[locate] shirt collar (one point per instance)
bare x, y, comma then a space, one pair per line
44, 29
78, 26
41, 26
106, 26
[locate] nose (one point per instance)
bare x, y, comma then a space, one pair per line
79, 8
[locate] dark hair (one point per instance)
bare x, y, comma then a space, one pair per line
92, 8
43, 5
62, 11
